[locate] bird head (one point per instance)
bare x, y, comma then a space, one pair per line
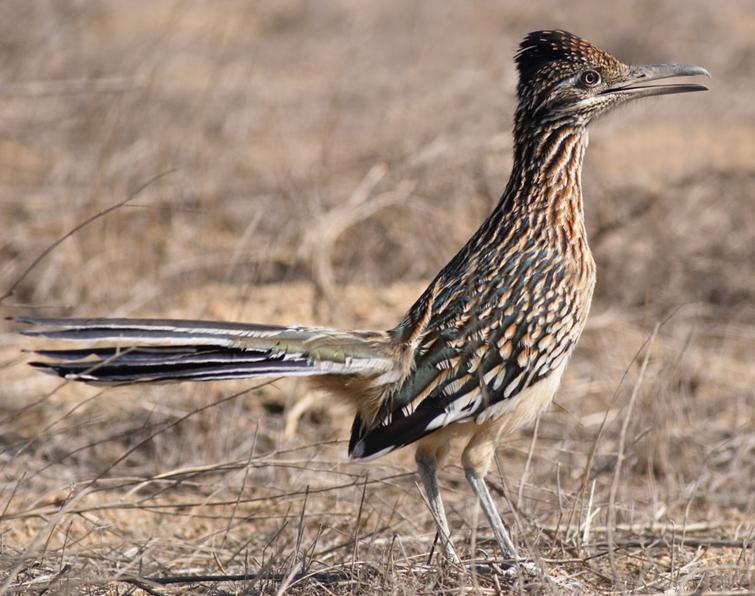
565, 77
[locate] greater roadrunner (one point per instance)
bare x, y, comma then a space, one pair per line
482, 350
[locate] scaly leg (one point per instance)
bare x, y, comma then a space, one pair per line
476, 458
494, 519
427, 467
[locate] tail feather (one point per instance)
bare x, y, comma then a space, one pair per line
163, 330
152, 351
146, 355
114, 371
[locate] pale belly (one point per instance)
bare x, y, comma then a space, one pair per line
491, 424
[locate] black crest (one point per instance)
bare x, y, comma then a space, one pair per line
542, 48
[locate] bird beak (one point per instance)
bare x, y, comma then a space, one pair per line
633, 85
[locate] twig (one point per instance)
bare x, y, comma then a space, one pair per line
49, 509
78, 227
638, 528
589, 515
240, 492
620, 454
526, 470
325, 576
142, 584
358, 522
649, 541
594, 447
70, 87
59, 512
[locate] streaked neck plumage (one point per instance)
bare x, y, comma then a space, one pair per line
540, 210
546, 178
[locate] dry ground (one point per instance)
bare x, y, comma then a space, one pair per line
325, 159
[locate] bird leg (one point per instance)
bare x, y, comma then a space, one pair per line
478, 484
427, 466
476, 459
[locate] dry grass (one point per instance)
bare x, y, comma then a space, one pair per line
328, 158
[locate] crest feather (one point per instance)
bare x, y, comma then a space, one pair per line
545, 47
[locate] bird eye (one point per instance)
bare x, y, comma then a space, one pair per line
590, 78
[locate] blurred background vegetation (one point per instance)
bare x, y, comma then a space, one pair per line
326, 158
274, 113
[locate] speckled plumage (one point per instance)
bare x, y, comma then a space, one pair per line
509, 307
483, 349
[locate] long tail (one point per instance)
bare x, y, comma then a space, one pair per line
160, 350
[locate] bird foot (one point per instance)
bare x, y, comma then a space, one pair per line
511, 568
450, 553
514, 566
508, 566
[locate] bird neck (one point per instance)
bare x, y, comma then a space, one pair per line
541, 209
546, 178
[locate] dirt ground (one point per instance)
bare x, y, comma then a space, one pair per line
301, 161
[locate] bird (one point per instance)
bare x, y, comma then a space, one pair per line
482, 350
